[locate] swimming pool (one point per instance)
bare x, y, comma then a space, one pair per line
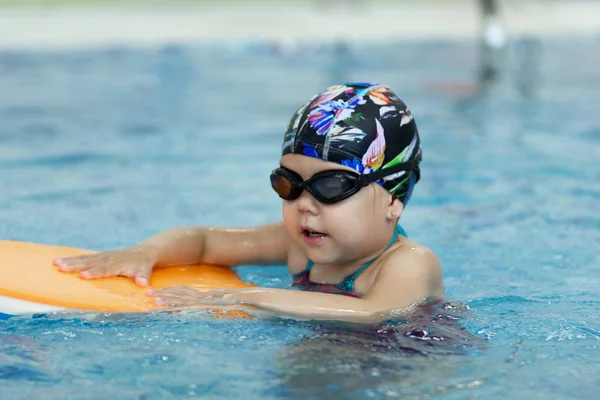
100, 149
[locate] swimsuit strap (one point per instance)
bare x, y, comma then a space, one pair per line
400, 230
348, 282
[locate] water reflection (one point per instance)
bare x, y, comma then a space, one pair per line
345, 361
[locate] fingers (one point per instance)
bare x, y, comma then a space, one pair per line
96, 272
142, 277
114, 263
186, 296
175, 291
142, 281
166, 299
175, 296
140, 274
75, 263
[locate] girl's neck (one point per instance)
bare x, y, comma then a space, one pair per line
349, 267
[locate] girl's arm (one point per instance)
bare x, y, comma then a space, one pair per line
262, 245
407, 278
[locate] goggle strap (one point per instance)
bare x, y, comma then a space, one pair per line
365, 179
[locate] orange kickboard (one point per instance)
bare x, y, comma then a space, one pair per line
27, 273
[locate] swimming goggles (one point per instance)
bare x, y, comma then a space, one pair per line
332, 186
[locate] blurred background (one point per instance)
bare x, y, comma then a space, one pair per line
177, 98
121, 119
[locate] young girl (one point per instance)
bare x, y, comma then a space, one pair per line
350, 160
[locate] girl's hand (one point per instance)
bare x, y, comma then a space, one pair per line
134, 262
181, 296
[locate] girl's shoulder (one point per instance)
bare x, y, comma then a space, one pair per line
407, 247
408, 261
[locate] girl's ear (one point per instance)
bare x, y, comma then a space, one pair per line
395, 209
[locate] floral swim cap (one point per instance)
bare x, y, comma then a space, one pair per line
363, 126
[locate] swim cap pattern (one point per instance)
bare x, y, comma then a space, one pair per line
359, 125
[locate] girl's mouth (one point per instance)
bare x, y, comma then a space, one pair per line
313, 237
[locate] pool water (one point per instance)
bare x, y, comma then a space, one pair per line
102, 148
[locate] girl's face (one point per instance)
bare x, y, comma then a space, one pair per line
355, 228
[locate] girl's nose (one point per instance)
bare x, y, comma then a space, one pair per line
307, 203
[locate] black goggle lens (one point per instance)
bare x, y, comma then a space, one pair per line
331, 187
